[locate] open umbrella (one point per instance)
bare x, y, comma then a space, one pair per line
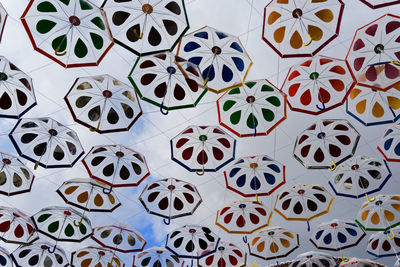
389, 145
313, 259
227, 254
383, 244
95, 257
156, 256
356, 262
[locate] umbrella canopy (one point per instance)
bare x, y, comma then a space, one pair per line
302, 29
156, 256
356, 262
227, 254
103, 104
374, 52
38, 255
147, 27
380, 3
170, 198
95, 257
313, 259
71, 33
254, 176
221, 57
116, 165
16, 88
303, 202
326, 143
15, 177
373, 107
359, 176
203, 148
243, 217
318, 85
119, 237
337, 235
389, 145
167, 81
46, 142
383, 244
16, 227
3, 19
273, 243
253, 109
379, 213
87, 194
5, 258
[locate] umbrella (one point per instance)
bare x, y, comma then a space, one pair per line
227, 254
373, 107
374, 53
16, 88
15, 177
71, 33
103, 104
167, 81
16, 227
313, 259
156, 256
46, 142
318, 85
203, 148
380, 3
389, 145
3, 19
5, 258
303, 202
38, 255
119, 237
356, 262
170, 198
294, 29
147, 27
95, 257
379, 213
255, 176
221, 57
254, 109
273, 243
359, 176
337, 235
383, 244
116, 166
326, 143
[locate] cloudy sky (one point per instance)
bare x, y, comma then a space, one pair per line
152, 132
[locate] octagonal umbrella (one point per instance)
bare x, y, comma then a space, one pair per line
227, 254
384, 243
95, 257
313, 259
389, 145
156, 256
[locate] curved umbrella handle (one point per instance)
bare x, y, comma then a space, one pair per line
321, 108
52, 251
92, 129
257, 199
345, 259
245, 239
161, 109
391, 236
333, 166
370, 199
397, 63
137, 35
57, 53
255, 127
206, 81
200, 173
36, 165
167, 221
308, 226
309, 42
107, 191
78, 224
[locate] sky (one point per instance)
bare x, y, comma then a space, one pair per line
151, 134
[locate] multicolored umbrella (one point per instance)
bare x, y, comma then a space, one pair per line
16, 227
116, 165
253, 109
227, 254
359, 176
337, 235
170, 198
46, 142
373, 107
103, 104
38, 255
255, 176
374, 53
301, 30
318, 85
314, 259
71, 33
16, 88
389, 145
203, 148
147, 27
243, 217
356, 262
167, 81
3, 19
119, 237
5, 258
384, 243
273, 243
303, 202
156, 256
95, 257
15, 177
326, 144
380, 3
379, 213
221, 57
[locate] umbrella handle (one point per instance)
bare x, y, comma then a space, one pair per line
345, 259
161, 109
245, 239
52, 251
397, 63
57, 53
200, 173
167, 222
277, 263
78, 224
107, 191
391, 236
370, 199
255, 128
309, 42
323, 106
137, 35
257, 199
308, 226
333, 166
36, 165
206, 81
92, 129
